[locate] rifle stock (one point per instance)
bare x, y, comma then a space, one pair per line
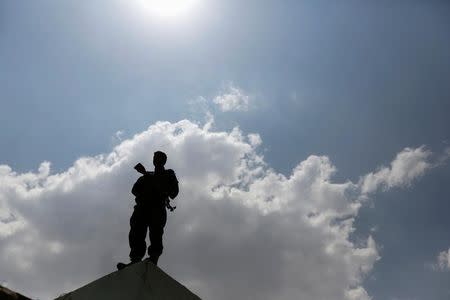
140, 168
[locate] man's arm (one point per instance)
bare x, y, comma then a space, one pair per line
173, 184
138, 187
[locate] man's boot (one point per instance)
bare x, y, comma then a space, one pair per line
120, 265
154, 259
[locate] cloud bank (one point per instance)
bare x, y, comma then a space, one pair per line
241, 229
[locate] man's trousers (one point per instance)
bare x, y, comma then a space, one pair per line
143, 218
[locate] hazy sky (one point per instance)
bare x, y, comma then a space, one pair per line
318, 129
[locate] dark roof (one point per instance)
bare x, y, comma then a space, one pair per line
7, 294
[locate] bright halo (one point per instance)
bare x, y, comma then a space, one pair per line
169, 8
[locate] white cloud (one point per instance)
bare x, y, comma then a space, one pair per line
233, 99
118, 136
241, 230
254, 139
442, 261
407, 166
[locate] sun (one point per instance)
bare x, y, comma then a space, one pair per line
169, 8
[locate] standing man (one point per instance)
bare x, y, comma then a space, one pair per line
152, 191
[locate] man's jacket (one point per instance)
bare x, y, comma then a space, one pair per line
154, 188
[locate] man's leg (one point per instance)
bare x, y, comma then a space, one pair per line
136, 237
156, 230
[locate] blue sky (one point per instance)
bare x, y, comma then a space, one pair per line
357, 81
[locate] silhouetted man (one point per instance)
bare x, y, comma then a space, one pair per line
152, 191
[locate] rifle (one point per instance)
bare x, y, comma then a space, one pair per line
141, 169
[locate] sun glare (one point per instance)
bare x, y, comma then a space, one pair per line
169, 8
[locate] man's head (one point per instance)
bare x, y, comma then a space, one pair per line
159, 159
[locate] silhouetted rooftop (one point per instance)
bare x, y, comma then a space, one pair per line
7, 294
141, 281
